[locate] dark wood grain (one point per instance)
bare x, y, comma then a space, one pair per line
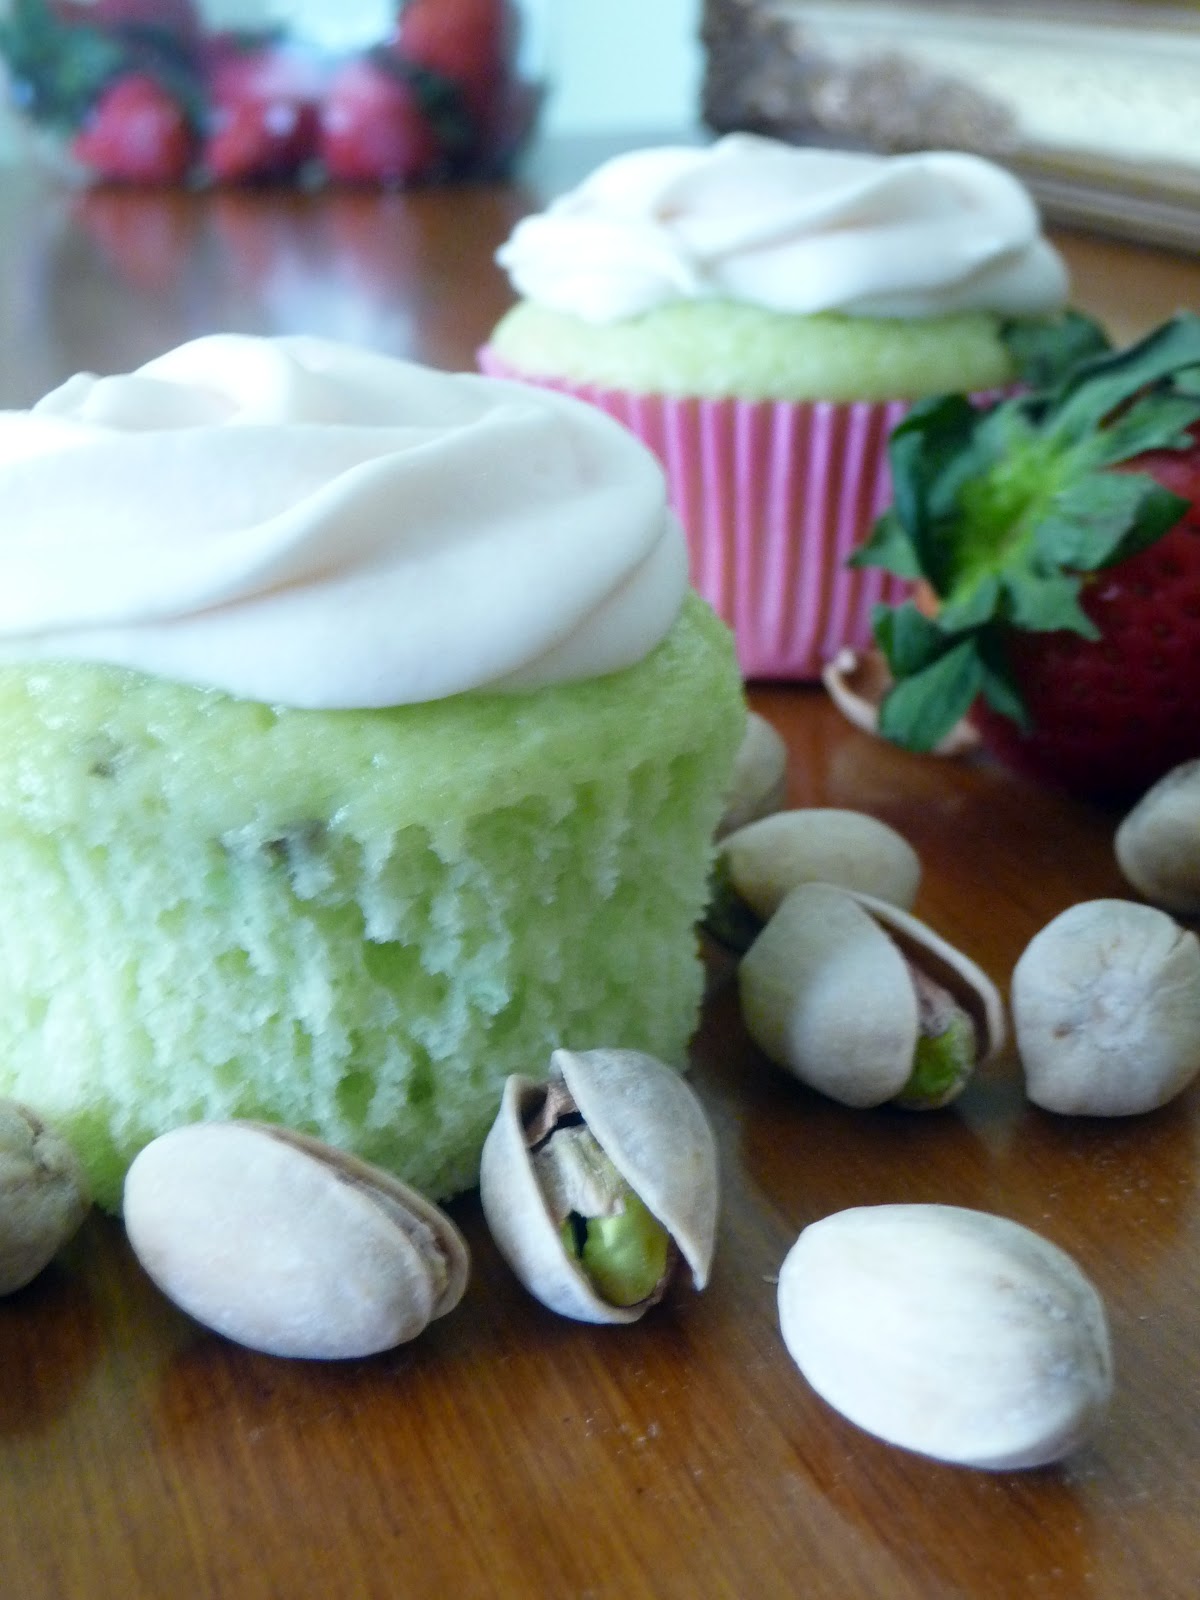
507, 1453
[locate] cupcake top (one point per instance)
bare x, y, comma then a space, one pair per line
789, 229
302, 522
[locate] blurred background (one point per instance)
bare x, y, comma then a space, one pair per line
1096, 103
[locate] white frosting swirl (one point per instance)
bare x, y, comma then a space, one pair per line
301, 522
791, 230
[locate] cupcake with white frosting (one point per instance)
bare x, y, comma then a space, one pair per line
762, 315
360, 742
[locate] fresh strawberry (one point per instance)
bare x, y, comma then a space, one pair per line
469, 42
1060, 533
262, 118
373, 128
136, 133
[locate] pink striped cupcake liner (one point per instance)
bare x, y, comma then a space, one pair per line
773, 497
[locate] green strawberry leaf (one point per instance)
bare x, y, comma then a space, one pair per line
971, 608
1043, 602
1105, 517
1152, 422
1100, 387
922, 708
1046, 350
999, 687
888, 547
909, 640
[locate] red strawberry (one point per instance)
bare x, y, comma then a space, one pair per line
136, 133
1060, 531
470, 42
373, 128
263, 114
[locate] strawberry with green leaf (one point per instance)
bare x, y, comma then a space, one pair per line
1060, 533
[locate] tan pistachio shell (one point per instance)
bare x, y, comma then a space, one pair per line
819, 844
287, 1245
1158, 843
1106, 1010
650, 1125
43, 1195
956, 1333
759, 782
826, 992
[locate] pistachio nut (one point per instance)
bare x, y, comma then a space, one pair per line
759, 781
955, 1333
43, 1195
1106, 1009
1158, 843
595, 1181
758, 864
865, 1003
288, 1245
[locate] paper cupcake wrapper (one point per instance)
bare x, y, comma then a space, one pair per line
773, 497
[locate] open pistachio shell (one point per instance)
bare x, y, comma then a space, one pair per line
1158, 843
827, 992
651, 1127
1106, 1010
287, 1245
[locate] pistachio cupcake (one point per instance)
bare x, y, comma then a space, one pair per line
360, 743
762, 316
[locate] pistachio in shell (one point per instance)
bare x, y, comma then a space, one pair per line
758, 864
865, 1003
1106, 1010
288, 1245
596, 1180
43, 1194
759, 781
1158, 843
955, 1333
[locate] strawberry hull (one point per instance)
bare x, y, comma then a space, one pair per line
1110, 716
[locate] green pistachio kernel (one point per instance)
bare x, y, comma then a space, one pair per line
942, 1061
624, 1255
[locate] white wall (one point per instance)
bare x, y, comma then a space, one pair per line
621, 63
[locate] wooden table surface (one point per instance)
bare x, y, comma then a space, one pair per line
506, 1452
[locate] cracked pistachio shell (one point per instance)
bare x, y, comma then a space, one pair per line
1106, 1009
759, 781
1158, 843
43, 1195
826, 992
287, 1245
955, 1333
650, 1125
764, 860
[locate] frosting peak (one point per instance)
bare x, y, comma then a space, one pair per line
789, 229
301, 522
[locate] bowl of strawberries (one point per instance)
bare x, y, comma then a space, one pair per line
155, 92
